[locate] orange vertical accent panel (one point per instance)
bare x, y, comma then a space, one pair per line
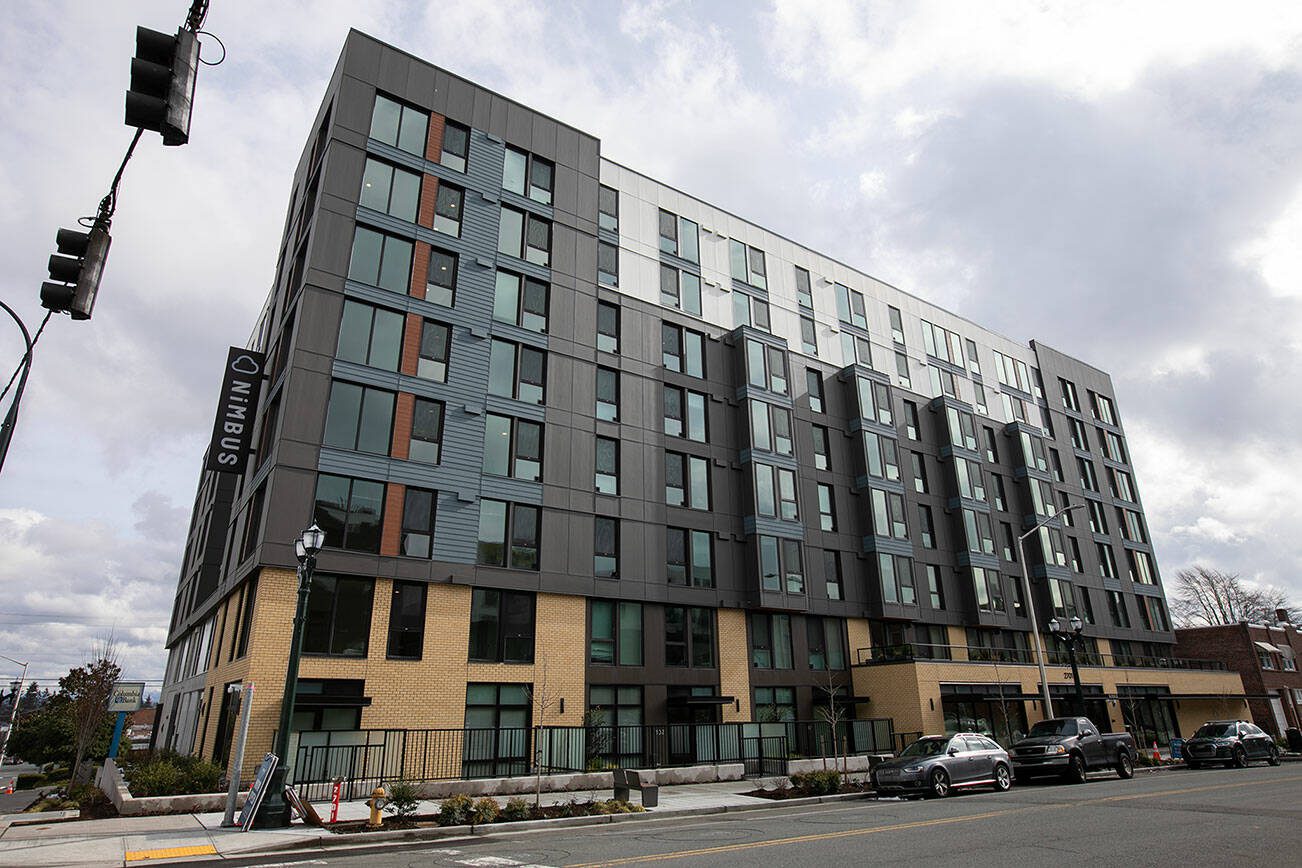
434, 141
403, 412
419, 270
410, 361
429, 189
390, 534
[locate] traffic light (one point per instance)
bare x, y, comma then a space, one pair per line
163, 74
77, 268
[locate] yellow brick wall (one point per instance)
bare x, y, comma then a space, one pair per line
859, 637
734, 664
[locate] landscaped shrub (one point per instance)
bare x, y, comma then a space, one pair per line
456, 810
617, 806
403, 800
30, 781
171, 775
817, 783
517, 809
484, 811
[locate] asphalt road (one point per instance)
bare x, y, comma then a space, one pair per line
1173, 818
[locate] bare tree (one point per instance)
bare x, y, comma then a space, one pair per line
542, 698
88, 689
1206, 597
832, 713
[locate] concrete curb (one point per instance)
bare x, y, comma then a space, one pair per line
368, 839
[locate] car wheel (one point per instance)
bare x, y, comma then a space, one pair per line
1125, 768
1003, 778
1076, 770
1273, 756
939, 783
1193, 764
1240, 760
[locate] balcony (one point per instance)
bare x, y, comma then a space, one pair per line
919, 652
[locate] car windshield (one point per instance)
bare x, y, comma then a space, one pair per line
1217, 730
1052, 727
926, 747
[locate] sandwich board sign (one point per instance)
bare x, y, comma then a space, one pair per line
257, 792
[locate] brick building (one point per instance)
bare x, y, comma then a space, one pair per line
1265, 657
567, 426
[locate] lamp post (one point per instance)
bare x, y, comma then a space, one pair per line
274, 811
11, 418
13, 712
1030, 607
1073, 641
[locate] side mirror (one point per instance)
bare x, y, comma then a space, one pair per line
953, 751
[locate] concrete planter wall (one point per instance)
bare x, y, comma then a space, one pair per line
584, 781
115, 787
848, 764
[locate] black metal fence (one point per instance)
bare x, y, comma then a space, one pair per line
1054, 656
362, 759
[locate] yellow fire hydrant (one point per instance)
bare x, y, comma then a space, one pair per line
375, 803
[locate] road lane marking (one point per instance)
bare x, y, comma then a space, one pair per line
898, 827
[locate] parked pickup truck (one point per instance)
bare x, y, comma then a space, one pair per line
1069, 747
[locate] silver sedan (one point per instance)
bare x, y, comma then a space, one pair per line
937, 764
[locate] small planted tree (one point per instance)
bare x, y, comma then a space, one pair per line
542, 698
832, 712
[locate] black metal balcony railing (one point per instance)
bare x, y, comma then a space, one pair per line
361, 759
909, 652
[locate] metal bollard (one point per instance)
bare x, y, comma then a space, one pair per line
375, 803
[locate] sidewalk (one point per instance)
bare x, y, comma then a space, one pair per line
144, 840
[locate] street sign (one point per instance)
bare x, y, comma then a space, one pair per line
127, 696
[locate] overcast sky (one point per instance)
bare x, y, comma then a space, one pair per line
1119, 180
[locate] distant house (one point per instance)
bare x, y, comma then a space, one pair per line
1265, 656
140, 727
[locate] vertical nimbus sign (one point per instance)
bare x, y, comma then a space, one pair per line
233, 429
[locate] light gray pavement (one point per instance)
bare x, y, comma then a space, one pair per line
145, 840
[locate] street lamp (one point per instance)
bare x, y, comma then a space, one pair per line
1030, 606
274, 811
13, 712
1074, 642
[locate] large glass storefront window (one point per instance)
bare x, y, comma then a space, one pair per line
993, 710
1148, 714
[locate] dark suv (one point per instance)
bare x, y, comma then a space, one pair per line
1233, 742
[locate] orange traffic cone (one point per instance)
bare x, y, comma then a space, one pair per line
1157, 757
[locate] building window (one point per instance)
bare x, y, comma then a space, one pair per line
1062, 598
387, 188
520, 301
680, 289
689, 557
432, 361
616, 633
517, 371
687, 481
827, 644
770, 428
822, 448
911, 420
689, 636
1103, 409
814, 386
370, 336
747, 264
808, 336
528, 175
1069, 399
380, 260
832, 575
607, 394
447, 209
1117, 609
685, 414
874, 401
607, 466
1122, 487
418, 508
920, 483
608, 208
682, 350
935, 587
498, 716
804, 293
989, 593
926, 527
881, 456
441, 278
679, 237
399, 125
850, 307
826, 508
1055, 463
359, 418
426, 431
456, 146
495, 518
896, 573
780, 560
897, 325
513, 447
407, 620
1000, 497
350, 511
605, 548
775, 704
775, 492
501, 626
971, 484
607, 327
525, 236
980, 537
1132, 525
888, 515
1141, 567
1098, 516
973, 363
902, 371
607, 263
338, 621
766, 367
1010, 541
770, 641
